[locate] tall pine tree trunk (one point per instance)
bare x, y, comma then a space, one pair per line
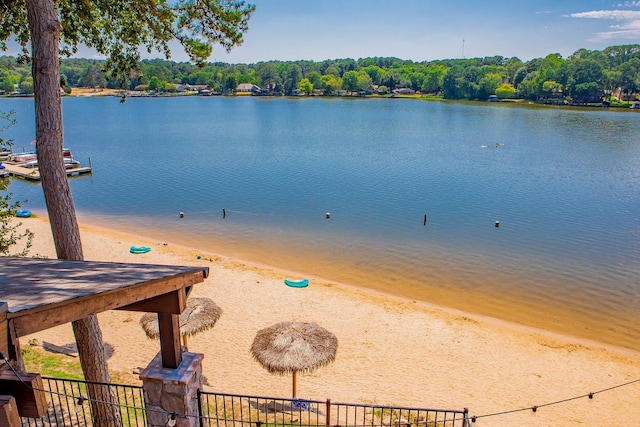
45, 43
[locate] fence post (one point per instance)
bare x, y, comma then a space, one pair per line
328, 412
199, 412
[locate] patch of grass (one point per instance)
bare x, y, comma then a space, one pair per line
65, 367
51, 365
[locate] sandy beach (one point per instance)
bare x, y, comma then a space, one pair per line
390, 350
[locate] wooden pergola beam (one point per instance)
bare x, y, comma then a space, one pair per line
59, 314
172, 302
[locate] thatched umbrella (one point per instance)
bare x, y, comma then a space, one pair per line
294, 347
199, 315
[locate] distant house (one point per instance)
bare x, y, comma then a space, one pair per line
190, 88
635, 105
247, 87
493, 98
403, 91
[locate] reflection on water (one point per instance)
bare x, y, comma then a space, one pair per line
563, 184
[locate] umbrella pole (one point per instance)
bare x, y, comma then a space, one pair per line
294, 384
184, 340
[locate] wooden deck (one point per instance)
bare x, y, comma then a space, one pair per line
33, 174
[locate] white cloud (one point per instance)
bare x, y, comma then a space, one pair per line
609, 14
627, 28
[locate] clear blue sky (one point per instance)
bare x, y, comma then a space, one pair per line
429, 29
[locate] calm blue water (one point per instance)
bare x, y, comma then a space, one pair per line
564, 184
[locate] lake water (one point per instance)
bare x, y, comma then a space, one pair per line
564, 185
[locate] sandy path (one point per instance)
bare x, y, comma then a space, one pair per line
391, 351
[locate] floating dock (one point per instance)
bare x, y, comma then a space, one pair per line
33, 174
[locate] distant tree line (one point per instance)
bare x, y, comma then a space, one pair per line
585, 76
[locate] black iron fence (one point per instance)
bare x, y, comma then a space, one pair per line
227, 410
68, 406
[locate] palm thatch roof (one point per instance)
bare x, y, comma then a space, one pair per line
199, 315
294, 347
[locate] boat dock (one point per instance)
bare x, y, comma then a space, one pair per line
33, 174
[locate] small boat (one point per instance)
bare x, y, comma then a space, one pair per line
302, 283
139, 249
25, 213
30, 157
22, 157
69, 163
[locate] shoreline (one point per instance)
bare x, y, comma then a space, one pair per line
519, 308
391, 350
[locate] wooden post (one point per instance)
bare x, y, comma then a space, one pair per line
4, 329
295, 391
9, 412
30, 399
169, 326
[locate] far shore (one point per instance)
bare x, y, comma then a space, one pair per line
391, 350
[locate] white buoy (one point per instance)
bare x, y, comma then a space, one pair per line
497, 224
181, 214
327, 215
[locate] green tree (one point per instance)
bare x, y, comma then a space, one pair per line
93, 77
433, 79
154, 83
26, 85
332, 70
511, 67
330, 83
364, 82
292, 76
451, 84
11, 233
394, 79
551, 87
505, 90
588, 76
305, 86
488, 84
629, 76
376, 73
268, 75
7, 86
350, 81
314, 77
231, 83
9, 79
116, 30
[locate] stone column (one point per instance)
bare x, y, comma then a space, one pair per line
173, 390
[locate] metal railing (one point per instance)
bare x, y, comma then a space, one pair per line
227, 410
67, 405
